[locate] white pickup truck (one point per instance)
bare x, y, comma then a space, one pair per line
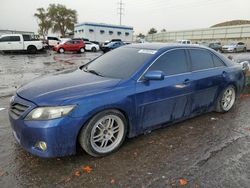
18, 42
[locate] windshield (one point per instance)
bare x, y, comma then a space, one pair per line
232, 44
119, 63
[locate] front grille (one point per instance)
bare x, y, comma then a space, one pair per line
17, 109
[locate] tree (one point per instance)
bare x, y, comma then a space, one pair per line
163, 30
152, 31
44, 22
140, 35
62, 18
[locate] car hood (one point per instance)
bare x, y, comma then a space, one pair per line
55, 90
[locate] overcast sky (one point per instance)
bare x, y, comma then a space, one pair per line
141, 14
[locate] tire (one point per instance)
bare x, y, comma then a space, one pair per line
32, 49
82, 50
106, 126
61, 51
245, 49
93, 49
225, 102
235, 50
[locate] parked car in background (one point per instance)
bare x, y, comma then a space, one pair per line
184, 42
91, 46
52, 41
70, 45
112, 40
124, 93
95, 42
244, 61
84, 39
216, 46
235, 47
64, 39
112, 45
18, 42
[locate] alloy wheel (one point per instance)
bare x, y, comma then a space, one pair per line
228, 99
107, 133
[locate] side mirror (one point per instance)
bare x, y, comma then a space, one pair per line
154, 75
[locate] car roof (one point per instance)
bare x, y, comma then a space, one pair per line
163, 46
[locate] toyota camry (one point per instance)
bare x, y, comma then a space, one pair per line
122, 94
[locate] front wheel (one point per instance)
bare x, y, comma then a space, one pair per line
226, 99
61, 50
104, 133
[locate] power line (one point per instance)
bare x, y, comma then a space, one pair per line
120, 10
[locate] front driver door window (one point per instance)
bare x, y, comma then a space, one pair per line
165, 100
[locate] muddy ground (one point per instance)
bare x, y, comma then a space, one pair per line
211, 150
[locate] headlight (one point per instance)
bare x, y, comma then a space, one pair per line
47, 113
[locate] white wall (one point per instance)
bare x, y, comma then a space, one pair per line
223, 34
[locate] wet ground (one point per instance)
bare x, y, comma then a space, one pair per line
211, 150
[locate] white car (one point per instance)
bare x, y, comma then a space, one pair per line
184, 42
18, 42
235, 47
53, 41
91, 46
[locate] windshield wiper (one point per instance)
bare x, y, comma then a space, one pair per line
93, 72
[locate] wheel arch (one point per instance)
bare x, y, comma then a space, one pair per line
31, 46
92, 114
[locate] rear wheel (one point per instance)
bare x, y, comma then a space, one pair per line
32, 49
245, 49
93, 49
226, 99
61, 50
104, 133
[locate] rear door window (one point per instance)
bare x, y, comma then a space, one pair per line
70, 42
15, 38
173, 62
5, 39
201, 59
217, 61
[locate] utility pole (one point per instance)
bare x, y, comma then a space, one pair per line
120, 10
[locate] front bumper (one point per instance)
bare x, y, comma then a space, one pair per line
60, 135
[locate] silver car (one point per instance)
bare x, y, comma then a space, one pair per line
235, 47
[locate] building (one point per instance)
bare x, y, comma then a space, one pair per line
101, 32
3, 32
222, 34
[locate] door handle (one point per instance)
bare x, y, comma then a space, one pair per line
187, 81
9, 43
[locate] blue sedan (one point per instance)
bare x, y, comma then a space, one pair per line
123, 93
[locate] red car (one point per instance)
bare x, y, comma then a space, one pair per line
70, 45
